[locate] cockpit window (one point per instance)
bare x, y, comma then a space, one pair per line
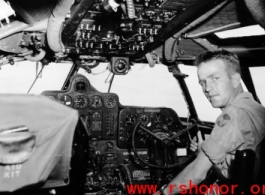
247, 31
20, 77
142, 86
258, 75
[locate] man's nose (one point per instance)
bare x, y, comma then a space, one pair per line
208, 86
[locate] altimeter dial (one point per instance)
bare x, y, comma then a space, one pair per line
95, 102
80, 101
110, 101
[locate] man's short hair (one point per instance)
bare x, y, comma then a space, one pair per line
229, 59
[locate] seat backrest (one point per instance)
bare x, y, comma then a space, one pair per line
36, 137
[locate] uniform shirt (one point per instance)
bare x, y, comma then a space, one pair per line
240, 126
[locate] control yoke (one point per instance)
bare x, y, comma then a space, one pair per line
165, 140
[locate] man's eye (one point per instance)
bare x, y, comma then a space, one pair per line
202, 83
215, 78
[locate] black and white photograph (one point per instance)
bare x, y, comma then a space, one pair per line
132, 97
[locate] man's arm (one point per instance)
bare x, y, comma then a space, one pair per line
194, 172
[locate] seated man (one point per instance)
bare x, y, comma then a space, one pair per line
240, 126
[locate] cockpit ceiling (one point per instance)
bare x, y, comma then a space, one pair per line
231, 15
178, 5
226, 18
185, 26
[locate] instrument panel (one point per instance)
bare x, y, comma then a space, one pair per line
98, 111
154, 119
111, 161
80, 101
102, 33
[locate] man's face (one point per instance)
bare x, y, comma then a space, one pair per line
216, 83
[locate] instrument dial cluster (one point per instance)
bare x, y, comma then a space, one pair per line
98, 111
80, 95
153, 119
83, 101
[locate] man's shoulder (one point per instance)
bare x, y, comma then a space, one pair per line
248, 108
232, 114
246, 101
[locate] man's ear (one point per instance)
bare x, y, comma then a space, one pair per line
236, 78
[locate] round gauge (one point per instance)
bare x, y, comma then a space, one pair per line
80, 86
130, 119
121, 66
80, 101
158, 118
95, 102
66, 100
144, 118
169, 120
96, 116
110, 101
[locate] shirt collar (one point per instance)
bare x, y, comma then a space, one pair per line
243, 95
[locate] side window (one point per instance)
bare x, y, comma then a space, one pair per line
258, 75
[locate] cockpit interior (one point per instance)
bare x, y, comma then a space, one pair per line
96, 95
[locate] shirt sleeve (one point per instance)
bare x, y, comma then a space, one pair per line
225, 137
